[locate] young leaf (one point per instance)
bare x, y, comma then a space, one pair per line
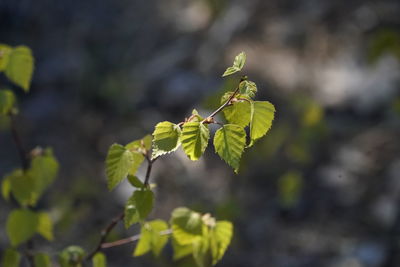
248, 88
7, 101
19, 68
158, 239
239, 112
138, 206
166, 138
221, 236
11, 258
201, 252
145, 142
135, 181
5, 51
138, 159
229, 143
238, 64
194, 139
71, 256
144, 244
118, 164
99, 260
262, 115
181, 251
42, 260
22, 187
186, 225
6, 188
43, 171
45, 226
21, 226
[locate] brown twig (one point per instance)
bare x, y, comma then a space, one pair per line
104, 234
130, 240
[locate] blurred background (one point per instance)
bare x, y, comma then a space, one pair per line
321, 189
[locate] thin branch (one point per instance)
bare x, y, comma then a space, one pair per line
104, 234
130, 239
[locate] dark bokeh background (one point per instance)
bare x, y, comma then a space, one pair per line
321, 189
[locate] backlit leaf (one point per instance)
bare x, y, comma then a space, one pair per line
221, 236
45, 226
135, 181
6, 188
181, 251
229, 143
238, 64
194, 139
99, 260
19, 68
22, 187
158, 239
166, 138
138, 206
21, 226
5, 51
7, 101
118, 164
262, 115
186, 225
248, 88
144, 244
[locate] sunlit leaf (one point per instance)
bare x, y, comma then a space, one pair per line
5, 51
262, 115
181, 251
238, 64
248, 88
11, 258
229, 143
138, 206
45, 226
166, 138
145, 142
239, 112
221, 236
22, 187
201, 253
186, 225
158, 239
7, 101
194, 139
144, 244
99, 260
21, 226
42, 260
6, 188
118, 164
19, 68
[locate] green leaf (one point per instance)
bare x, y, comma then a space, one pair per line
262, 115
152, 238
42, 260
158, 238
45, 226
238, 64
99, 260
22, 187
229, 143
43, 171
139, 144
166, 138
21, 226
5, 51
221, 236
239, 112
144, 244
194, 139
138, 159
138, 206
119, 162
201, 253
248, 88
135, 181
6, 188
186, 225
19, 68
11, 258
71, 256
7, 101
181, 251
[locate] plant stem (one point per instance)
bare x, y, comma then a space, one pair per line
130, 239
104, 234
